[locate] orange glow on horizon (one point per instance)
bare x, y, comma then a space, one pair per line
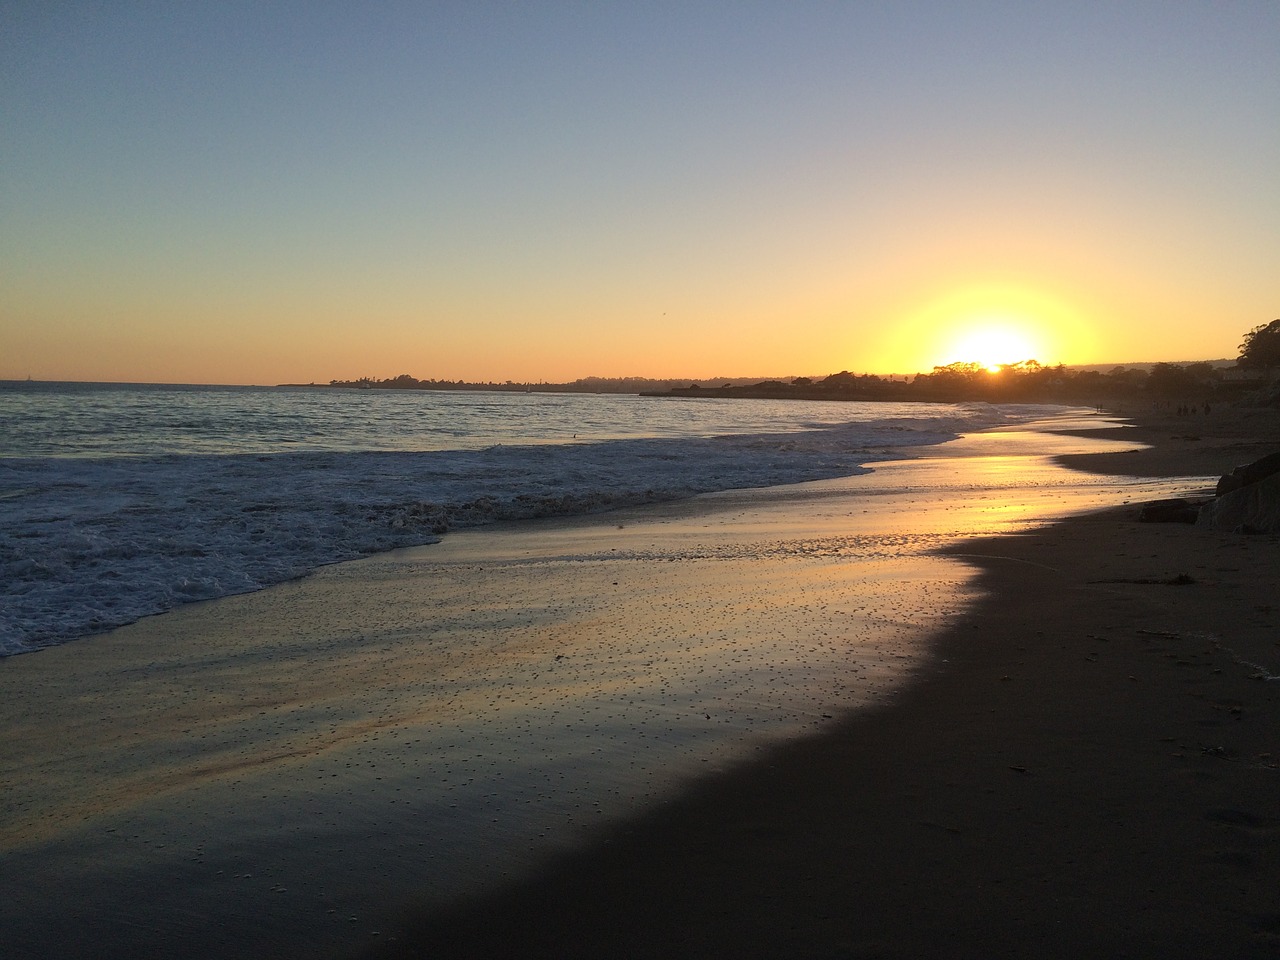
992, 325
994, 344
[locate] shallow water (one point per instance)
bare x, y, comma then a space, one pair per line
119, 501
248, 775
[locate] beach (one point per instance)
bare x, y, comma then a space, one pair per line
1047, 739
1088, 769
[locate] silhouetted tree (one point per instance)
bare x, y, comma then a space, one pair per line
1261, 347
402, 382
960, 372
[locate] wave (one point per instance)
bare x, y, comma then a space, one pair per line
89, 544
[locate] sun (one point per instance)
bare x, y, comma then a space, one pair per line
992, 344
992, 324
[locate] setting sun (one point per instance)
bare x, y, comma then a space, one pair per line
992, 324
993, 345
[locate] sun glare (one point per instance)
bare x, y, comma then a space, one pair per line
993, 346
993, 325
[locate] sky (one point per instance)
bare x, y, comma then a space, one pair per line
274, 192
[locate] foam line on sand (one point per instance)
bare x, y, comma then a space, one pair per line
320, 766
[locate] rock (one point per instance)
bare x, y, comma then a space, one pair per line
1249, 473
1254, 508
1178, 510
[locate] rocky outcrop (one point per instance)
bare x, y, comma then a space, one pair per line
1248, 499
1250, 473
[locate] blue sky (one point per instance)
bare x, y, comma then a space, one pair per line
278, 191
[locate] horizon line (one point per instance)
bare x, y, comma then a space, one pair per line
534, 383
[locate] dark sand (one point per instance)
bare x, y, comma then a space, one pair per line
761, 723
1091, 768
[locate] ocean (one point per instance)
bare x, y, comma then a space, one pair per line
118, 501
294, 771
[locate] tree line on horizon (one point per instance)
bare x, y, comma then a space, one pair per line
1027, 380
582, 385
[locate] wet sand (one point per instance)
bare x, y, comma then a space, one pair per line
1088, 767
724, 727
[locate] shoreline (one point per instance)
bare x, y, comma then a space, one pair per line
1198, 444
250, 775
98, 541
1088, 768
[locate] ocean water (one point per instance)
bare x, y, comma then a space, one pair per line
119, 501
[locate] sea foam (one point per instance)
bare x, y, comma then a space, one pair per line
91, 543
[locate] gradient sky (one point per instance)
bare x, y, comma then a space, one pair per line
282, 192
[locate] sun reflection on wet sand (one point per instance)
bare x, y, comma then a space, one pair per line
434, 719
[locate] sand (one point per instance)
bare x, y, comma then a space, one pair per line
771, 723
1089, 768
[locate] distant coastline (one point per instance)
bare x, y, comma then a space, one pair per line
1026, 382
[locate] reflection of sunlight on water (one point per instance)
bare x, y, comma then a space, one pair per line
457, 711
